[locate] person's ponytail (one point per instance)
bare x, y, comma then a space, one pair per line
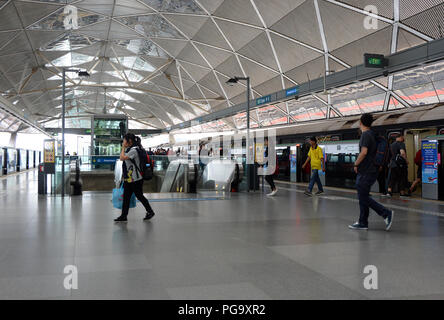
138, 142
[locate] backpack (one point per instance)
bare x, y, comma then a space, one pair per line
400, 161
382, 151
146, 168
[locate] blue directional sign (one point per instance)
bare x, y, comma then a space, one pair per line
104, 159
263, 100
292, 91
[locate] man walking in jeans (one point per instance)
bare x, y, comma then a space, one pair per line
316, 158
367, 174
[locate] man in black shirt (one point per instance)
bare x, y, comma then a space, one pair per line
367, 174
398, 167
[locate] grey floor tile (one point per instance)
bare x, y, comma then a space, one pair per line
247, 247
33, 287
119, 262
225, 291
120, 284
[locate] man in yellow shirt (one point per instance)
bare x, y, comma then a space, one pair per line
316, 158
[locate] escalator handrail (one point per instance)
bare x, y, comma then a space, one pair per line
175, 177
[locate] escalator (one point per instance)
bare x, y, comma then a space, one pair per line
218, 175
184, 176
222, 175
181, 176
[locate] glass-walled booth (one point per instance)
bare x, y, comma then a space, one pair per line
107, 132
340, 157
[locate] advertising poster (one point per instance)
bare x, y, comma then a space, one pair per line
293, 163
430, 161
259, 153
49, 151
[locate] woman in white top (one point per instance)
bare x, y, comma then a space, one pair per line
132, 177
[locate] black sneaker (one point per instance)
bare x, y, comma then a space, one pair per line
389, 220
308, 193
149, 216
319, 192
358, 226
121, 219
405, 196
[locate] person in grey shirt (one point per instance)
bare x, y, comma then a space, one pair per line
132, 177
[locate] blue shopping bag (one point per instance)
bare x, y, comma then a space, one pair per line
118, 198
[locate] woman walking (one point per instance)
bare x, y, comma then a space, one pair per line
132, 177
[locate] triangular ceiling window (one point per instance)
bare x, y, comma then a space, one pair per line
142, 46
67, 18
69, 42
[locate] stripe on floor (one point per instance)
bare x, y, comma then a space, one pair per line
186, 199
388, 205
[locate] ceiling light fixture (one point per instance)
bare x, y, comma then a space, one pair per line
83, 74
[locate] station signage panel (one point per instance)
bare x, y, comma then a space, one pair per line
292, 91
49, 156
430, 161
263, 100
104, 159
259, 153
49, 151
375, 61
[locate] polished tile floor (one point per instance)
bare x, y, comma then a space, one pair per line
243, 246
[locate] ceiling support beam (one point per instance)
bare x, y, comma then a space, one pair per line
154, 73
26, 80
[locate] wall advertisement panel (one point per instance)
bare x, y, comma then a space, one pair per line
430, 161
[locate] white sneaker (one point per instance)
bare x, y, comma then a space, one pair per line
272, 193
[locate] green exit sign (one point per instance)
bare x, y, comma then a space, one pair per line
375, 61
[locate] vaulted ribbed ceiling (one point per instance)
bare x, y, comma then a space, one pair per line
165, 62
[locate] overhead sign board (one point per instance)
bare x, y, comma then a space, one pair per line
375, 61
104, 159
292, 91
263, 100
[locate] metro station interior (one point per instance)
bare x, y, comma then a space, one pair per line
201, 82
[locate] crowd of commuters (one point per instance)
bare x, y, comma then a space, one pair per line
393, 175
168, 152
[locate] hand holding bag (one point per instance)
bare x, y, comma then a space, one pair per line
118, 198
